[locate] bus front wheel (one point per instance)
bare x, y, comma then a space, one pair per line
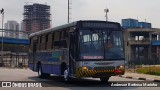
40, 72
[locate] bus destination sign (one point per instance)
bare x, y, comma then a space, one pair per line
100, 25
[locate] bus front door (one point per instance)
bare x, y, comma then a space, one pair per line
72, 54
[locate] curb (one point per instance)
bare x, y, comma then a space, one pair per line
140, 78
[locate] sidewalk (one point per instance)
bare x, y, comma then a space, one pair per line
141, 76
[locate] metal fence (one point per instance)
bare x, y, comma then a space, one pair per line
18, 34
15, 60
13, 55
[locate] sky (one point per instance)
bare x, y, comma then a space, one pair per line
142, 10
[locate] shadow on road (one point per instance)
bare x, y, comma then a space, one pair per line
59, 82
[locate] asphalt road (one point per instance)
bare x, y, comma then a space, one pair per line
56, 83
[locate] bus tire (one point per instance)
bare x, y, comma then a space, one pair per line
66, 75
40, 72
104, 79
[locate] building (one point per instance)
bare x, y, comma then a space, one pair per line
156, 46
129, 23
141, 47
133, 23
36, 17
22, 33
144, 25
12, 28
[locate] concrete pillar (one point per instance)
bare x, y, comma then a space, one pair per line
158, 37
158, 55
149, 55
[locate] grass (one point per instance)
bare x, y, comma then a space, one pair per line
149, 70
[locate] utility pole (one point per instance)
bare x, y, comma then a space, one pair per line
69, 9
2, 12
106, 11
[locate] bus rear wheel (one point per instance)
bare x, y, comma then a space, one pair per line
104, 79
40, 72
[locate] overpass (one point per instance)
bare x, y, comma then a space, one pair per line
14, 41
14, 45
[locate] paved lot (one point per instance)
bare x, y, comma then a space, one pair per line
58, 84
16, 74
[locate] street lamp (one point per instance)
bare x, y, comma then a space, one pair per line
2, 12
106, 11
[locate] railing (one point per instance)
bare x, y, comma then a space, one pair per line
15, 60
141, 41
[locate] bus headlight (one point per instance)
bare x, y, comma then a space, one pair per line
120, 67
86, 68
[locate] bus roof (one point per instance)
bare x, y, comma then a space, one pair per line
64, 26
52, 29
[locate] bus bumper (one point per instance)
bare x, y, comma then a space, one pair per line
98, 73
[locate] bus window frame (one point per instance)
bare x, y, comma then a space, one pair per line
64, 38
52, 41
56, 39
46, 40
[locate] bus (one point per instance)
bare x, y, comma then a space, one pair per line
81, 49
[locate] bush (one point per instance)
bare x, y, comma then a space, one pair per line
149, 70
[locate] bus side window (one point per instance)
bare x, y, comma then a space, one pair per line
52, 40
64, 34
37, 43
43, 43
46, 41
63, 41
40, 42
49, 44
56, 40
31, 44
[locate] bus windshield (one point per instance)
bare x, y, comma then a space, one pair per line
101, 44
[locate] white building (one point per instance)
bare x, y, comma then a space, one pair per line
12, 28
21, 34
